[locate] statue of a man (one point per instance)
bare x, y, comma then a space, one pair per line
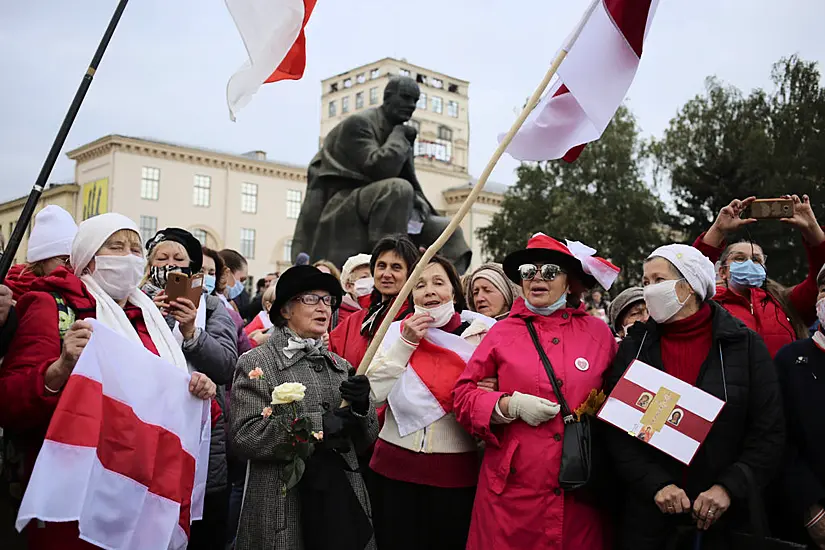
362, 186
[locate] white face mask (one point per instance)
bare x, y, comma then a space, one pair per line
441, 314
118, 276
820, 311
364, 286
662, 300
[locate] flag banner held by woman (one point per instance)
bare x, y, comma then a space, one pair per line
592, 82
126, 451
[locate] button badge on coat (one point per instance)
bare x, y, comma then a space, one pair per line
582, 364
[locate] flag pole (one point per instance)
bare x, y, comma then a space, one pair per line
45, 171
476, 191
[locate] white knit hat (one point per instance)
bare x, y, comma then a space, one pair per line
93, 233
52, 234
693, 265
353, 263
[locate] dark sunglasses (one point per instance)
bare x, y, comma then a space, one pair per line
313, 299
548, 271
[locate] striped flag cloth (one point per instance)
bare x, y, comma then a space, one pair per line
273, 33
126, 452
592, 82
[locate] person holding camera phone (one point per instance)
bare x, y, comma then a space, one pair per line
206, 335
779, 315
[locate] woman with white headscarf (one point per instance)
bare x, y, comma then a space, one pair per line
694, 339
108, 263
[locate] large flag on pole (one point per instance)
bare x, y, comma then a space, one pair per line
273, 33
603, 55
126, 452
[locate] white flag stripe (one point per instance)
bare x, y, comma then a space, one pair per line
691, 398
413, 404
268, 28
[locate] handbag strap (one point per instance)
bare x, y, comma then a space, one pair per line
567, 414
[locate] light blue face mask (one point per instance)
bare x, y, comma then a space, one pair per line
747, 274
236, 290
209, 282
545, 311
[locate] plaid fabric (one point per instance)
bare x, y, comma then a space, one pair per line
270, 520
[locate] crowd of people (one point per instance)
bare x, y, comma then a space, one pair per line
470, 426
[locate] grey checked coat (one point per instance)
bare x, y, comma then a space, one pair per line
270, 521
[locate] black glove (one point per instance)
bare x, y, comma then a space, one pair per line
356, 390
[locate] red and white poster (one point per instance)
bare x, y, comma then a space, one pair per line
661, 410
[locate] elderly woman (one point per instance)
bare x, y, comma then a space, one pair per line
520, 502
693, 338
207, 337
426, 464
626, 310
357, 283
258, 330
108, 262
489, 292
329, 508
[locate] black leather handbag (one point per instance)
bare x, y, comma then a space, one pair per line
576, 450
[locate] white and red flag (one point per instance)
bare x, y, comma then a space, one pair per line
424, 393
603, 55
126, 452
273, 33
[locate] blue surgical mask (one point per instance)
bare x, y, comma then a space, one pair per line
747, 274
545, 311
236, 290
209, 282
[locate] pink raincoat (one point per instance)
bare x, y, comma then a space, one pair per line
519, 503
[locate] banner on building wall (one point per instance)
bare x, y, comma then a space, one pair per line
95, 198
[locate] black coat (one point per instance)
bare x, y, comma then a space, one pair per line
750, 429
801, 367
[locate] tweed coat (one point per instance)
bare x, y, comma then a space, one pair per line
269, 520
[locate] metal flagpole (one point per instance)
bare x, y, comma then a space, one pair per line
31, 203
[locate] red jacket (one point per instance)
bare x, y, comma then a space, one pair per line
762, 313
519, 503
350, 306
348, 342
19, 280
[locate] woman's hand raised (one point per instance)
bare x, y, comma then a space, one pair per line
415, 328
728, 221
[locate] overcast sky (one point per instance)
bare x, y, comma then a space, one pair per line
165, 72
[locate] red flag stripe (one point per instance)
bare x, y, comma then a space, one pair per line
630, 17
692, 425
294, 64
438, 368
148, 454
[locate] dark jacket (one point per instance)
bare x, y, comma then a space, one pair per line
801, 367
750, 429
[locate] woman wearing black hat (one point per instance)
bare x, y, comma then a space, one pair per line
329, 507
206, 334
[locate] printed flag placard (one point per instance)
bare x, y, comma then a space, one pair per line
661, 410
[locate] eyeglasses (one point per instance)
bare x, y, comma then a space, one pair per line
757, 259
548, 271
313, 299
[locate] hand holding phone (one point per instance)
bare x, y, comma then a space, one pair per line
769, 209
180, 285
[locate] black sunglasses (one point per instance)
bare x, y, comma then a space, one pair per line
313, 299
548, 271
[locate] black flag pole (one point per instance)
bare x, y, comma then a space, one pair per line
31, 203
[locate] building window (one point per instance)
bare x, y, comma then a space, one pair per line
373, 96
199, 234
148, 227
452, 108
438, 105
333, 87
249, 197
203, 190
348, 83
375, 73
445, 133
403, 72
149, 183
422, 102
452, 88
248, 243
288, 251
294, 198
332, 110
359, 100
361, 78
437, 83
344, 105
421, 78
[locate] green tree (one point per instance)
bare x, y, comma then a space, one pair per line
724, 145
600, 200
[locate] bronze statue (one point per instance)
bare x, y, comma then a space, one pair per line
362, 186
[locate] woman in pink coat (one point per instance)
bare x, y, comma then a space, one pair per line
519, 503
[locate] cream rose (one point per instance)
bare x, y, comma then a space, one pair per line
288, 392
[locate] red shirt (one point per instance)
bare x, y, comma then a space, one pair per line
686, 343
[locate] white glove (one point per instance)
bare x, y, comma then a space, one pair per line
533, 410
